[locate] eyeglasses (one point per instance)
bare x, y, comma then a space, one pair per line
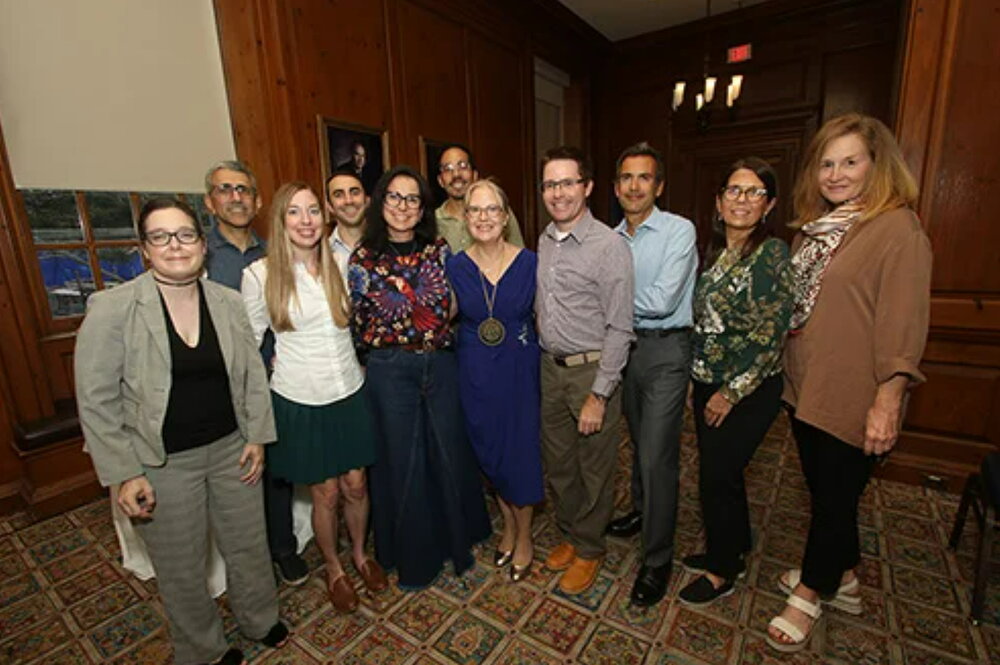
493, 211
565, 183
185, 236
397, 200
227, 189
451, 167
753, 194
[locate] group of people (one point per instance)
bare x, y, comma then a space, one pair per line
391, 358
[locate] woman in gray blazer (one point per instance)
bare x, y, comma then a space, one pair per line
174, 406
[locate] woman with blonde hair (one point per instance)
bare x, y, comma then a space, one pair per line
862, 266
498, 366
317, 388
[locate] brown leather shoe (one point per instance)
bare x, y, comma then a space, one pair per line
372, 575
560, 557
580, 576
342, 594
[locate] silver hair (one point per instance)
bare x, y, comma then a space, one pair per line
229, 165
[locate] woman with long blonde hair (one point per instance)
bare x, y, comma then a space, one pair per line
861, 264
317, 388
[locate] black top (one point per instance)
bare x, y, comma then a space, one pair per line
200, 408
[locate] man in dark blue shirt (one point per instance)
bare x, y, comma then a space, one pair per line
232, 198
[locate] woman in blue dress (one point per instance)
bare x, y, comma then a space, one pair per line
498, 361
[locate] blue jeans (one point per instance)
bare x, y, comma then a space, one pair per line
426, 492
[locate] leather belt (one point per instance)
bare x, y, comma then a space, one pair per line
577, 359
658, 332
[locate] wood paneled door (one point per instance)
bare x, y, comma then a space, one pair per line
947, 126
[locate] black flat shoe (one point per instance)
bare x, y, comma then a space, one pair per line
702, 592
501, 558
697, 564
277, 637
625, 526
231, 657
650, 585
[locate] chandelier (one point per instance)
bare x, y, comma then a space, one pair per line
705, 97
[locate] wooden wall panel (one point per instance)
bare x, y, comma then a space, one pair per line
946, 123
435, 93
810, 59
499, 119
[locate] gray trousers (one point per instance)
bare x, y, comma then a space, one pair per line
196, 490
655, 386
580, 468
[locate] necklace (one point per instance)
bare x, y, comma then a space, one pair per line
168, 283
491, 330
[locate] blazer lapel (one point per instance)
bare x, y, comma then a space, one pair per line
218, 309
151, 313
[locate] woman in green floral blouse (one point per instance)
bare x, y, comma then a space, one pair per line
742, 306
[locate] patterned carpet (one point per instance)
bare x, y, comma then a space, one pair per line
64, 599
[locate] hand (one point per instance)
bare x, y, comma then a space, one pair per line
716, 409
884, 416
881, 428
253, 454
591, 415
136, 497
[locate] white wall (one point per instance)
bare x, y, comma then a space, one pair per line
112, 94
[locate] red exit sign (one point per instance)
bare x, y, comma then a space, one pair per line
739, 53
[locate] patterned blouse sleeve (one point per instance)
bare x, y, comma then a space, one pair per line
771, 310
357, 285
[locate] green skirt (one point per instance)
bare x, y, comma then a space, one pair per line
320, 442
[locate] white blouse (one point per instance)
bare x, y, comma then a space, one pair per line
315, 363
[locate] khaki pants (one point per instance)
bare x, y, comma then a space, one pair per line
580, 468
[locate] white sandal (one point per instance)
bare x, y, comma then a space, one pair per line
799, 638
848, 599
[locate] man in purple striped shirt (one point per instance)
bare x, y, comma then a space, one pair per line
584, 305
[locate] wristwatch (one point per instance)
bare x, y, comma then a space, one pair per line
600, 398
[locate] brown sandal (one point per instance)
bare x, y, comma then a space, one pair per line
342, 594
372, 575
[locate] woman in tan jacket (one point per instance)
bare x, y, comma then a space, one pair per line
862, 267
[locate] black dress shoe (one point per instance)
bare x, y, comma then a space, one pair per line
650, 585
626, 526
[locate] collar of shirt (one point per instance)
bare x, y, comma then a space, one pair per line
215, 239
657, 221
336, 241
579, 231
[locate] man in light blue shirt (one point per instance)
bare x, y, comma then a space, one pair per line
656, 376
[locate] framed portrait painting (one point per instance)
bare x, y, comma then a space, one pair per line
364, 150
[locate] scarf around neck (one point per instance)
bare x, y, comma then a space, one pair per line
809, 265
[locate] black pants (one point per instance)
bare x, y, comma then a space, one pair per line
837, 474
724, 452
278, 515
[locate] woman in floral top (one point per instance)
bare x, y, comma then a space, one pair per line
427, 498
742, 306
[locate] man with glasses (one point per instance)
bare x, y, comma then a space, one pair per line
232, 198
656, 377
456, 171
583, 305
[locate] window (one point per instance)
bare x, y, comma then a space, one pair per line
86, 241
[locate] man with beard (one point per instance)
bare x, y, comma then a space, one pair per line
231, 196
347, 202
656, 376
456, 171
